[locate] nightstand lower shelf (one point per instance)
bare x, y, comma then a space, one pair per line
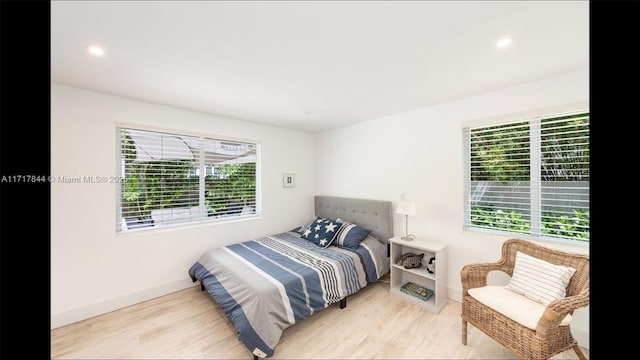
429, 304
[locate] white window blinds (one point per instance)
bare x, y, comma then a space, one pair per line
172, 179
529, 177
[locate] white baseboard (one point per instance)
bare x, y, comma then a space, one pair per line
103, 307
581, 335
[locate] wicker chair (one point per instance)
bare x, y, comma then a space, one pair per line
549, 338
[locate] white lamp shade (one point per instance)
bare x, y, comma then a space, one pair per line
406, 207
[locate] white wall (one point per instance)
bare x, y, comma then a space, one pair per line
419, 154
93, 269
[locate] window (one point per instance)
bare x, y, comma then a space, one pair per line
176, 179
529, 177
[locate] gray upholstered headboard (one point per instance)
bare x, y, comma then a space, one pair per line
375, 215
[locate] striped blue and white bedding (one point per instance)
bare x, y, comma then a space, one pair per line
268, 284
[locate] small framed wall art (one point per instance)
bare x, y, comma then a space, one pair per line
288, 180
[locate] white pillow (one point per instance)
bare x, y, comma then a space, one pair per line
539, 280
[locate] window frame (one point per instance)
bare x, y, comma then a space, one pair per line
535, 198
202, 167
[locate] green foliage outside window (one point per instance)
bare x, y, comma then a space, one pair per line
554, 223
152, 185
159, 185
502, 154
235, 187
156, 185
559, 224
485, 216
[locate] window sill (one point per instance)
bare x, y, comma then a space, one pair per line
210, 221
572, 246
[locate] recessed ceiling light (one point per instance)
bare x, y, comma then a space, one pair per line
503, 42
96, 50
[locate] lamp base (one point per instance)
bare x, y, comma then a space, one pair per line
407, 237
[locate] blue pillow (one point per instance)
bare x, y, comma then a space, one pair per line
298, 230
322, 231
350, 235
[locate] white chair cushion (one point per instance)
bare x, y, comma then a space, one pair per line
517, 307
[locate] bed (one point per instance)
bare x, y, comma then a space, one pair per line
267, 284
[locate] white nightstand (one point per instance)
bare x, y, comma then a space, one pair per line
420, 276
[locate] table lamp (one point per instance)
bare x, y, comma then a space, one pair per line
407, 208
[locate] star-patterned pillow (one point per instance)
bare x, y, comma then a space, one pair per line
321, 231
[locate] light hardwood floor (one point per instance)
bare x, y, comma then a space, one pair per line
189, 325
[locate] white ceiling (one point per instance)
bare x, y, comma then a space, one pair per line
313, 65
